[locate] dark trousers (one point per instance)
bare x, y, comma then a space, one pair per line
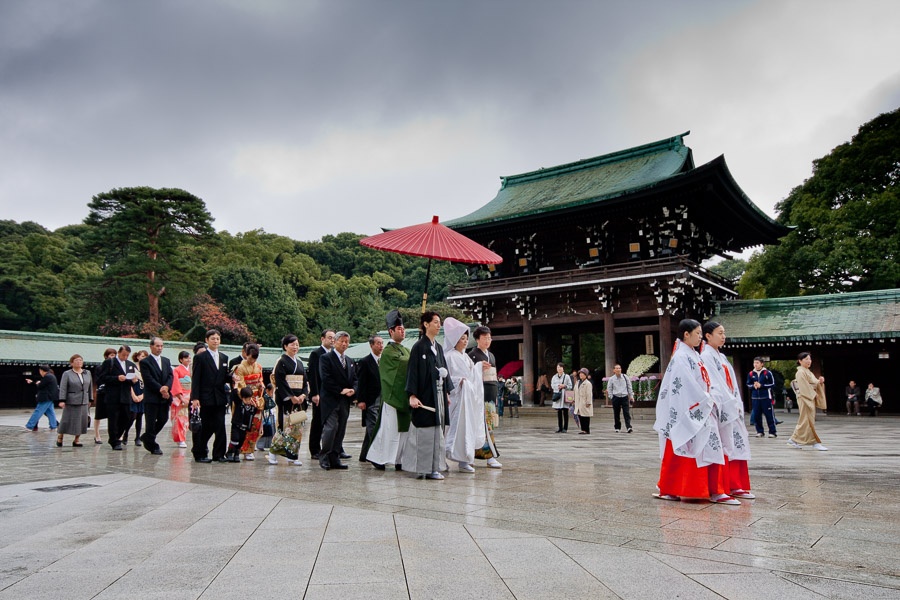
370, 419
763, 406
562, 417
333, 429
315, 431
131, 418
155, 418
620, 403
117, 421
212, 423
873, 407
585, 424
238, 436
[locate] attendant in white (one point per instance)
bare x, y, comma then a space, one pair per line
690, 448
726, 392
466, 430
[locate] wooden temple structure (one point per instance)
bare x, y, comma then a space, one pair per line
601, 257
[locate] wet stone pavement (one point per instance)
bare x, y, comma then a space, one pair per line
568, 516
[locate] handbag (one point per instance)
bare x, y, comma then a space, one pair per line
268, 426
270, 402
570, 397
194, 422
296, 418
557, 396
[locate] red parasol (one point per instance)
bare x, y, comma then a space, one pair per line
432, 240
510, 369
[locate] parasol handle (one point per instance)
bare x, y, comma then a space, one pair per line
425, 291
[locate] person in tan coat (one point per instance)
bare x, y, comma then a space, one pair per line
584, 401
810, 396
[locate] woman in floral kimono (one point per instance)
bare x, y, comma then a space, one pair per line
687, 422
181, 398
249, 374
726, 391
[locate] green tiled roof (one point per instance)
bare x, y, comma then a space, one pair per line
30, 348
583, 182
858, 315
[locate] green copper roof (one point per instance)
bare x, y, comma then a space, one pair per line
858, 315
583, 182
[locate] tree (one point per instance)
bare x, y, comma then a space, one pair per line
149, 236
846, 220
731, 269
262, 300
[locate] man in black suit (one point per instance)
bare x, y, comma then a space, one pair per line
315, 426
368, 399
337, 388
158, 375
117, 381
210, 391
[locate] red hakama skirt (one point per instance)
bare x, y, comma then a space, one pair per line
680, 476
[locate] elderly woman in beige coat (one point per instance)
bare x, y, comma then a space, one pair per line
810, 396
584, 401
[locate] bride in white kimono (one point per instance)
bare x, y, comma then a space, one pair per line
466, 430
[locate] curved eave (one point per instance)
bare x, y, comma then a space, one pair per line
750, 225
663, 148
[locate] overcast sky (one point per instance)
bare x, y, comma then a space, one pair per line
307, 118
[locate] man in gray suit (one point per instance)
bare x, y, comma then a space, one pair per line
158, 375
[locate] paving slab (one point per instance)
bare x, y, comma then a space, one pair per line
566, 517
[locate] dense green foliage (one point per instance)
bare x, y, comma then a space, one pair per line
846, 220
141, 247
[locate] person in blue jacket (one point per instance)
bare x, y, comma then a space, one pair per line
760, 382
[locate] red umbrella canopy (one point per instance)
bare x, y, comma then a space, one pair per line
510, 369
432, 240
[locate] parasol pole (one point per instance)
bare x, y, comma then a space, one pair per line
425, 292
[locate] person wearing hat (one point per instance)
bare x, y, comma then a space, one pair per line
584, 401
392, 427
466, 431
47, 393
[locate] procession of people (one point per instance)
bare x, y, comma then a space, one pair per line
424, 409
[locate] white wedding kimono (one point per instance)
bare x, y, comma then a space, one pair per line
466, 431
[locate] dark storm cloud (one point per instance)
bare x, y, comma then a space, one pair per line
330, 109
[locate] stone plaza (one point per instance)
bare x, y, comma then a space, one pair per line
568, 516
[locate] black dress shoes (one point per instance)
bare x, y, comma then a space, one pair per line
118, 447
340, 465
315, 457
325, 465
204, 460
345, 456
221, 459
377, 466
398, 467
156, 451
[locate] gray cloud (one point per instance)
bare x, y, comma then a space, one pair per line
307, 118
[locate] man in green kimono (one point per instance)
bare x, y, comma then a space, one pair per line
393, 422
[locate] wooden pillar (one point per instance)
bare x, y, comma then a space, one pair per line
609, 342
665, 341
528, 368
